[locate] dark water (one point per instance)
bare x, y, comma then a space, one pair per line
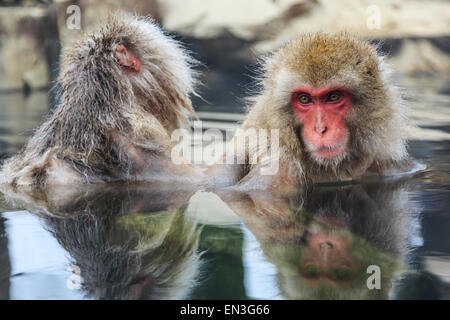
385, 239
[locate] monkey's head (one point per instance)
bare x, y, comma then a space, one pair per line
129, 62
332, 91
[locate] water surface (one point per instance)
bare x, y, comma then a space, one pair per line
153, 242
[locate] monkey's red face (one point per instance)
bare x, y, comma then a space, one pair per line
322, 112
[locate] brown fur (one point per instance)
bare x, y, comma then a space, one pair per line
120, 237
365, 224
111, 124
376, 122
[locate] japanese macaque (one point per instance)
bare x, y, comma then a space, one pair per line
122, 91
323, 240
336, 113
127, 242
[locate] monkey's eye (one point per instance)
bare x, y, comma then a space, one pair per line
334, 96
304, 99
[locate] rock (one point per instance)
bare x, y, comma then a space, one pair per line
420, 56
92, 12
208, 19
263, 25
28, 48
278, 20
229, 35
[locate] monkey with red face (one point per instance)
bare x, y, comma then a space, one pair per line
336, 114
123, 90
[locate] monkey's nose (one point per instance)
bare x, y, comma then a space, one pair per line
325, 245
321, 129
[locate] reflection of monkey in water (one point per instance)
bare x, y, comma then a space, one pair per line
123, 90
323, 241
129, 243
5, 264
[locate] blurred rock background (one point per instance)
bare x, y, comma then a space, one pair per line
226, 36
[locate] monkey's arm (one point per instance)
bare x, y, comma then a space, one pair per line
269, 216
232, 165
155, 160
283, 176
393, 168
224, 175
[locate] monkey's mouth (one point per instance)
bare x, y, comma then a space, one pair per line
328, 152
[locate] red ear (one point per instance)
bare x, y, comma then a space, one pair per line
126, 59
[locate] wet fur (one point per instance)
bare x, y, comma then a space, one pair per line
109, 123
376, 123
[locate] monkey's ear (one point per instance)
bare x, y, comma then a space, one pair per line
126, 59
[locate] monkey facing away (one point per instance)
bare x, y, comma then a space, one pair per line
336, 114
122, 92
129, 241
